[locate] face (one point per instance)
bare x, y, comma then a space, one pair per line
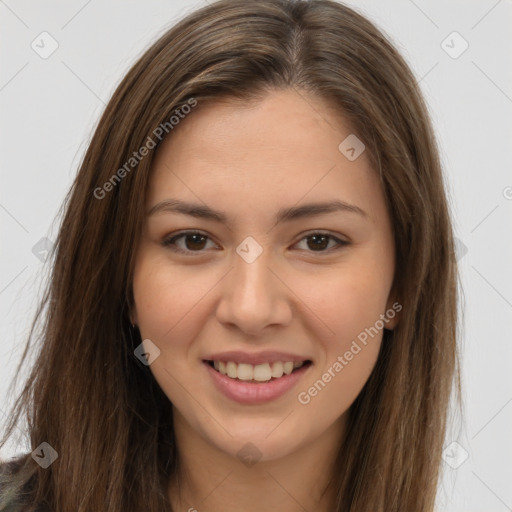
254, 275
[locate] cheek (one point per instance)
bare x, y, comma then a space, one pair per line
169, 313
351, 299
351, 310
350, 304
166, 299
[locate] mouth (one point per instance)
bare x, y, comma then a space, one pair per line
258, 373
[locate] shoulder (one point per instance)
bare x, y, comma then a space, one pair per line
10, 499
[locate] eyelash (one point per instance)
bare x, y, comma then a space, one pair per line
169, 242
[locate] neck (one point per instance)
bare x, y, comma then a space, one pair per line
210, 480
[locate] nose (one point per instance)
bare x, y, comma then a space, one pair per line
254, 296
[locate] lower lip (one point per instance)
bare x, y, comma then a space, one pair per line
255, 392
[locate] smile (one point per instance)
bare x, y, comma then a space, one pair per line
255, 384
256, 373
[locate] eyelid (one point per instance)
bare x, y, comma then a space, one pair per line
168, 240
335, 236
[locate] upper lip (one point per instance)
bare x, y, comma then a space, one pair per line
267, 356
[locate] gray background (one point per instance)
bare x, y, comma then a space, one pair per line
49, 107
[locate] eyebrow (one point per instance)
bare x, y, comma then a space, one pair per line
283, 215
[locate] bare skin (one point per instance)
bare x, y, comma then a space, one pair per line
308, 297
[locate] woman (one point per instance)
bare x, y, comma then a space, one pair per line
253, 299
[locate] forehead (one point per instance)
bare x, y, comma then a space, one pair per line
281, 148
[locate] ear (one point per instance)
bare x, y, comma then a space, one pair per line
393, 311
132, 310
133, 317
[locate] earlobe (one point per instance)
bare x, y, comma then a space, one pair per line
391, 324
392, 314
132, 309
133, 317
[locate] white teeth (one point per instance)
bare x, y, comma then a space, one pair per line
231, 370
288, 367
244, 371
259, 372
277, 370
262, 372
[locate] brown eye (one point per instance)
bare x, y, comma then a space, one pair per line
197, 241
193, 242
319, 242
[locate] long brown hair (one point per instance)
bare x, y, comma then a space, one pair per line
99, 407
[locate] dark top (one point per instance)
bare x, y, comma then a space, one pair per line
9, 500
